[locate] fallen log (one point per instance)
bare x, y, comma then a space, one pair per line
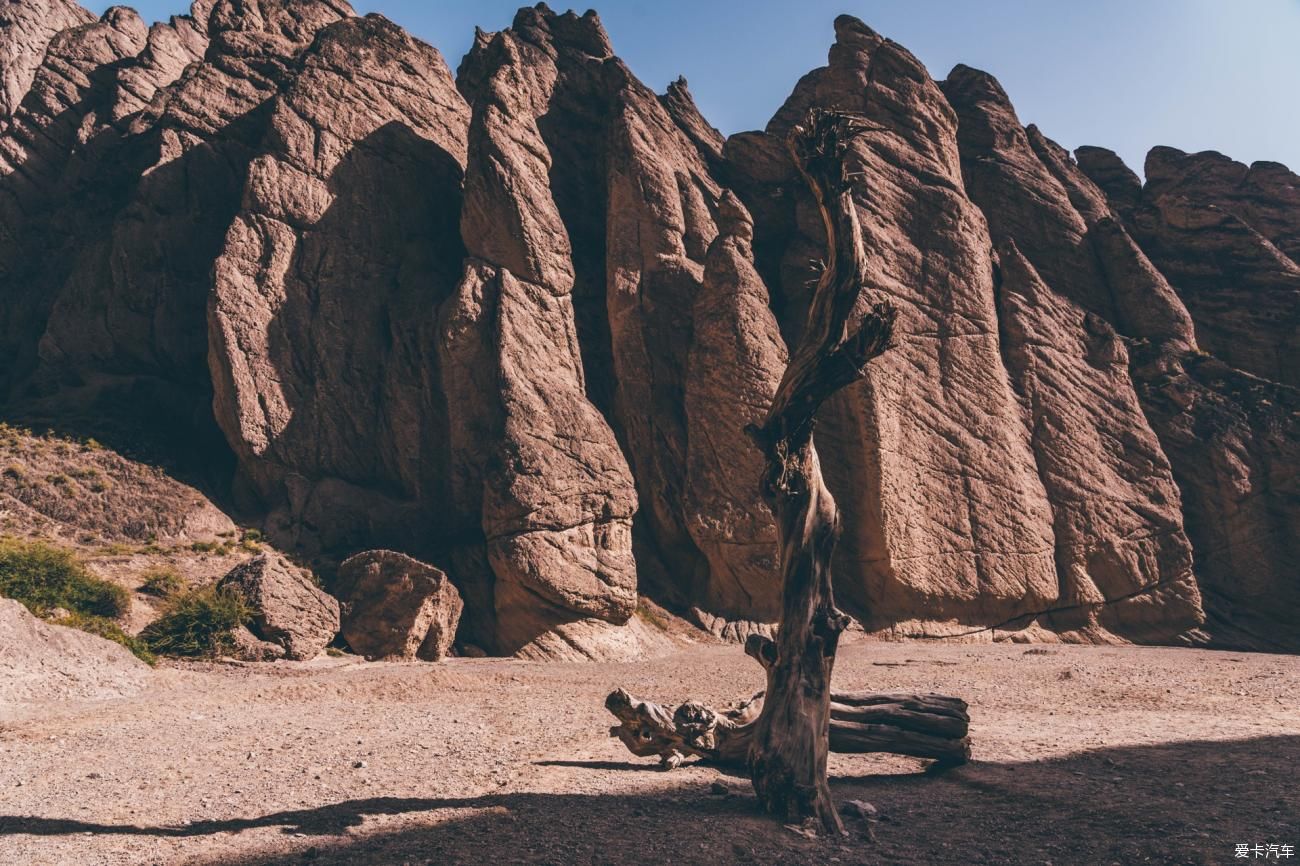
934, 727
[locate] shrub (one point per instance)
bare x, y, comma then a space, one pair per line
44, 577
197, 623
16, 472
162, 582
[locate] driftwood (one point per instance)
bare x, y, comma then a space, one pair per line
922, 726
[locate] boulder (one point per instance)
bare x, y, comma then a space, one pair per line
288, 608
398, 607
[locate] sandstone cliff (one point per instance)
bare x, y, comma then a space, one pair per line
513, 322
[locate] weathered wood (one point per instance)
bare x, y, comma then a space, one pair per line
791, 736
922, 726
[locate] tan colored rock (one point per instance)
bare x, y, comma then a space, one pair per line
1022, 196
1242, 290
1234, 442
323, 313
613, 202
1265, 195
659, 224
1123, 559
943, 509
557, 497
170, 48
133, 298
48, 160
1122, 186
684, 112
398, 607
555, 494
1146, 306
736, 362
248, 647
1122, 556
288, 608
480, 323
26, 29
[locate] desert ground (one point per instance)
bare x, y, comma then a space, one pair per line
1082, 755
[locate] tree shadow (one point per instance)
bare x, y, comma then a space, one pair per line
1189, 802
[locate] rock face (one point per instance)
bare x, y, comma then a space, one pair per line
513, 322
735, 365
288, 608
44, 662
25, 32
323, 309
398, 608
1117, 520
1227, 425
946, 518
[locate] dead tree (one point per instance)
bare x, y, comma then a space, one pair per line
787, 754
785, 739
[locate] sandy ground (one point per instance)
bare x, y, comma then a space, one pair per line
1087, 755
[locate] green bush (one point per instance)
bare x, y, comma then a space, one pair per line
197, 623
162, 581
44, 577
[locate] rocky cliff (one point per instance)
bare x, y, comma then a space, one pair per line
514, 320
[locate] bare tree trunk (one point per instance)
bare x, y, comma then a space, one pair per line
923, 726
784, 739
787, 755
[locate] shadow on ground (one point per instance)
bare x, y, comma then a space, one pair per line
1180, 803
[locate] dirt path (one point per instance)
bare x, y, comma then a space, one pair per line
1084, 755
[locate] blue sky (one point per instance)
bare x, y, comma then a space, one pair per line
1125, 74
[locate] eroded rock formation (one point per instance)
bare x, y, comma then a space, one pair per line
513, 322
